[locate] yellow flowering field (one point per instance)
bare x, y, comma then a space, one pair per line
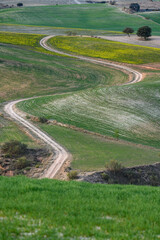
28, 40
100, 48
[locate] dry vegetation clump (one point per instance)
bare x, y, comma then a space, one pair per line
72, 175
114, 165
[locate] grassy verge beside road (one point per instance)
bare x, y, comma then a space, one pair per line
10, 131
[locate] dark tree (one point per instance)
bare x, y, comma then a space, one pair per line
144, 32
135, 7
19, 4
128, 31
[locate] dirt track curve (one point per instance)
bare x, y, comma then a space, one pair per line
137, 76
61, 154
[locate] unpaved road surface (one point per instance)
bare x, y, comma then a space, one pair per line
61, 154
137, 76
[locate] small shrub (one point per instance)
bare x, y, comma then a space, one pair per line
14, 148
22, 163
105, 176
37, 165
154, 181
28, 117
28, 168
116, 134
43, 119
72, 175
70, 33
113, 165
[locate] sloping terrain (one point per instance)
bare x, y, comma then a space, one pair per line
133, 110
26, 73
88, 16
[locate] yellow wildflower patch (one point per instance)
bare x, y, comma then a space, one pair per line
100, 48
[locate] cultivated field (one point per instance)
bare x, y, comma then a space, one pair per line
115, 51
91, 153
132, 109
26, 73
154, 16
90, 16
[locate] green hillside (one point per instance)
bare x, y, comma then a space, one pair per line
26, 73
91, 16
154, 16
132, 109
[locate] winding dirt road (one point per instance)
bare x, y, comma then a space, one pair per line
137, 76
61, 154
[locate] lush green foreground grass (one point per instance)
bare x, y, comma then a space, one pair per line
132, 109
26, 73
93, 47
92, 153
91, 16
49, 209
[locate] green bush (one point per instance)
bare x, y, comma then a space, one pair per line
113, 165
22, 162
43, 119
72, 175
105, 176
14, 148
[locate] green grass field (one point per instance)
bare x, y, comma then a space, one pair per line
132, 109
10, 131
115, 51
26, 73
154, 16
91, 16
92, 153
48, 209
